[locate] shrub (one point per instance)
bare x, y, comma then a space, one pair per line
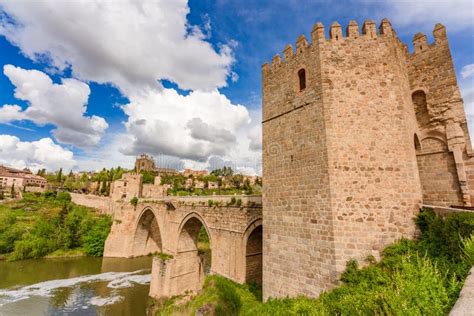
134, 201
63, 197
94, 239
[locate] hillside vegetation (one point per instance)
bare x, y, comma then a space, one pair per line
414, 277
50, 224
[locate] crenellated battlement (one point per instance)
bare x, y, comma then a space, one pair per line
352, 33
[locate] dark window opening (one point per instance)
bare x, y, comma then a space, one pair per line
417, 144
302, 77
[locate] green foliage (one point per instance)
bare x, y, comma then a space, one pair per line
223, 172
468, 250
163, 256
42, 224
63, 197
59, 176
148, 176
94, 238
9, 233
134, 201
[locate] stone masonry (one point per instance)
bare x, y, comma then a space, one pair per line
357, 134
171, 225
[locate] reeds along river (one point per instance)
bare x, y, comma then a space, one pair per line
75, 286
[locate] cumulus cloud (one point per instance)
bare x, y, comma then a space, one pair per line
63, 105
255, 137
9, 113
467, 71
192, 127
129, 43
35, 155
455, 14
133, 45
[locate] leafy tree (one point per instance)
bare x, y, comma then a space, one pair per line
41, 172
223, 172
94, 239
148, 176
59, 176
103, 189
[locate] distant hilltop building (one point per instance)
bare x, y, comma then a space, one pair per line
146, 163
195, 173
358, 133
20, 178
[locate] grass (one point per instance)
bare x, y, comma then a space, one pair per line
414, 277
76, 252
163, 256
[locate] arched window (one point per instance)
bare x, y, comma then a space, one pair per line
302, 79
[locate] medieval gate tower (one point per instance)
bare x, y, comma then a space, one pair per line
357, 134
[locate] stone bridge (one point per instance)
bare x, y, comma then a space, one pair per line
171, 226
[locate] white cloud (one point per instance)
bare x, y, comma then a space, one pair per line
133, 45
467, 71
192, 127
63, 105
255, 137
35, 155
10, 113
129, 43
455, 14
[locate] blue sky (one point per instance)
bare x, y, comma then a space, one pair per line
100, 83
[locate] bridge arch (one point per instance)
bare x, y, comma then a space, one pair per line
252, 240
147, 236
192, 263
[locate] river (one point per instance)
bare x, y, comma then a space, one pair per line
75, 286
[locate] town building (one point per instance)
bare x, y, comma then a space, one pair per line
20, 179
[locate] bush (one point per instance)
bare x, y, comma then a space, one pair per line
94, 239
134, 201
63, 197
60, 226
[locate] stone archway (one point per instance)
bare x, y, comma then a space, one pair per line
147, 237
254, 254
190, 263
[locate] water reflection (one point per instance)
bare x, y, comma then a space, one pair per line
75, 286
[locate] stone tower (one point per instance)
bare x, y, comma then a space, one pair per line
145, 163
341, 137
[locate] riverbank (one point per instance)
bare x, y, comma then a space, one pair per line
49, 224
414, 277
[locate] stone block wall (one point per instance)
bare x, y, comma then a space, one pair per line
298, 242
339, 163
102, 203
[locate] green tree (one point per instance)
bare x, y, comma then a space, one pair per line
12, 192
103, 189
59, 176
